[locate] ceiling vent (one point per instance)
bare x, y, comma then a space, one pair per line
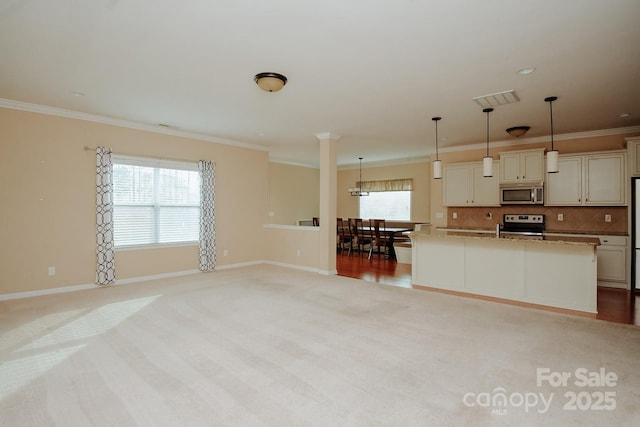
496, 99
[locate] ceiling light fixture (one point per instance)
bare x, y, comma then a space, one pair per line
487, 161
437, 163
357, 191
552, 156
270, 82
518, 130
526, 71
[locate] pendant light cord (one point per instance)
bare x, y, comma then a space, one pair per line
551, 114
487, 110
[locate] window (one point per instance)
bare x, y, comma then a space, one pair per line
390, 205
155, 202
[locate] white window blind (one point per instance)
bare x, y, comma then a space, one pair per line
389, 205
155, 201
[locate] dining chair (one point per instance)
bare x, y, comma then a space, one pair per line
344, 235
377, 229
362, 234
316, 221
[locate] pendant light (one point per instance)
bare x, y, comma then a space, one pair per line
437, 163
552, 156
487, 161
357, 191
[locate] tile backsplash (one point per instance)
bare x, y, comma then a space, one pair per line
575, 219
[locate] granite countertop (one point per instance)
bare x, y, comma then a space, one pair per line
490, 235
547, 232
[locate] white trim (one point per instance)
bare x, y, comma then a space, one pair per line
42, 292
64, 289
293, 266
60, 112
292, 227
540, 139
238, 265
327, 135
390, 162
285, 162
157, 277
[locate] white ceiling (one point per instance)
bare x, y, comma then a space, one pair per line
372, 71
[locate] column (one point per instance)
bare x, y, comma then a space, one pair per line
328, 201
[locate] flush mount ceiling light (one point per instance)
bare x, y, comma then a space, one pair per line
437, 163
526, 70
552, 156
357, 191
518, 130
487, 161
270, 82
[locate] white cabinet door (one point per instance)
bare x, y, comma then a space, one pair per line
486, 190
522, 166
612, 263
456, 185
510, 167
564, 188
605, 180
532, 166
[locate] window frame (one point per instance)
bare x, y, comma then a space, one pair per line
154, 163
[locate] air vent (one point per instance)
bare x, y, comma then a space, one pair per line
496, 99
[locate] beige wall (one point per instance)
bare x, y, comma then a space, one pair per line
578, 145
348, 206
47, 200
294, 193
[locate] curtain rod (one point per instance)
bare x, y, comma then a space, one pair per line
87, 148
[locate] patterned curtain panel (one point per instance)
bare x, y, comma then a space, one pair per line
207, 215
105, 269
404, 184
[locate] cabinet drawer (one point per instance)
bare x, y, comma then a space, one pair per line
613, 240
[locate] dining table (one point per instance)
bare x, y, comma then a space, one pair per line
391, 233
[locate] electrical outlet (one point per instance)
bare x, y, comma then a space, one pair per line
52, 271
607, 218
455, 215
439, 215
560, 217
489, 215
225, 252
298, 252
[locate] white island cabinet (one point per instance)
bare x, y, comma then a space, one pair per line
556, 272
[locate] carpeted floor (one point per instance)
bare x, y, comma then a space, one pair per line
269, 346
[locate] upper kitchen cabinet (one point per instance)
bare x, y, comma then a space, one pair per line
633, 147
596, 179
464, 185
522, 166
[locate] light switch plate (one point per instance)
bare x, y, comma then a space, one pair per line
607, 218
560, 217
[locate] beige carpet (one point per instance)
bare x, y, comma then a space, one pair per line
269, 346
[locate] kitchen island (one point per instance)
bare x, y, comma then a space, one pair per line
557, 272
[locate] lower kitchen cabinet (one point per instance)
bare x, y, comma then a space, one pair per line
612, 261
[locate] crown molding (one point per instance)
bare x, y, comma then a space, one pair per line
540, 139
390, 162
286, 162
96, 118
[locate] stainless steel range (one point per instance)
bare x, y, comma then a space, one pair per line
525, 224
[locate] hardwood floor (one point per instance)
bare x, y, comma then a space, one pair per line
615, 305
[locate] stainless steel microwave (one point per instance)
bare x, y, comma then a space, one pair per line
531, 193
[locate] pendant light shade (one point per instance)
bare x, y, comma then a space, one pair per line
487, 161
357, 191
437, 163
552, 156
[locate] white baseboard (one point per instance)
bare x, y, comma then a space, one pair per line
37, 293
29, 294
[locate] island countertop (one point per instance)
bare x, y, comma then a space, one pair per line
442, 233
